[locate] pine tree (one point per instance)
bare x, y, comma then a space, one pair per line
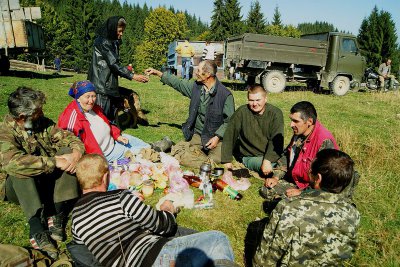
276, 20
316, 27
255, 22
377, 38
217, 24
232, 19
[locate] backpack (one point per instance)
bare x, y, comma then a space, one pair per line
16, 256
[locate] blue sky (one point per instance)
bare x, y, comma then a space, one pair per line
346, 15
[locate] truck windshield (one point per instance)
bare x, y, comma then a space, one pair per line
348, 45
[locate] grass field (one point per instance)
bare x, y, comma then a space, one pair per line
366, 126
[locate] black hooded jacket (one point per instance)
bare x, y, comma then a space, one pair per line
106, 66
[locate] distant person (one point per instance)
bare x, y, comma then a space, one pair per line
106, 66
39, 158
186, 51
209, 52
309, 137
57, 63
318, 227
120, 230
254, 135
384, 74
86, 120
211, 106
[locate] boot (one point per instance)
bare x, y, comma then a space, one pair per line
56, 227
43, 242
164, 145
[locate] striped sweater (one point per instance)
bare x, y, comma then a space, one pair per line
119, 229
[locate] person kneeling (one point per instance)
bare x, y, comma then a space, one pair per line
120, 230
318, 227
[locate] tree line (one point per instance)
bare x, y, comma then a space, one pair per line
70, 27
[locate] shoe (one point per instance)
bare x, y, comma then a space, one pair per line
164, 145
56, 227
43, 242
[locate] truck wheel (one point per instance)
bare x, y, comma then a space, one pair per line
274, 81
4, 64
340, 85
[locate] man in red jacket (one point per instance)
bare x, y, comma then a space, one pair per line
309, 136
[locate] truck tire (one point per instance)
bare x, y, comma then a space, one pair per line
274, 81
340, 85
4, 64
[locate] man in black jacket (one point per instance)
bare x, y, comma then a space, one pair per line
106, 66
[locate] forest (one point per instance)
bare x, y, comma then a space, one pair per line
70, 29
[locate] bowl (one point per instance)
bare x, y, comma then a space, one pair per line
218, 171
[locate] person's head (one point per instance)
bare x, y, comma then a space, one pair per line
388, 62
206, 70
113, 28
303, 117
121, 27
92, 171
256, 98
26, 106
331, 171
85, 93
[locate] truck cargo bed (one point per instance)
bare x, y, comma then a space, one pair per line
276, 49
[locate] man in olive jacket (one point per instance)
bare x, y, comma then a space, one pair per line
38, 159
254, 134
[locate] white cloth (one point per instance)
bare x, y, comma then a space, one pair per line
101, 132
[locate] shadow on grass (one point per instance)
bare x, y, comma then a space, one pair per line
34, 75
178, 126
252, 239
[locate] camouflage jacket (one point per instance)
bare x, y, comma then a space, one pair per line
24, 154
316, 228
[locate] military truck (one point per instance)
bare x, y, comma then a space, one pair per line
329, 61
18, 33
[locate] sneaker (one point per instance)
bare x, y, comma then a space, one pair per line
43, 242
56, 227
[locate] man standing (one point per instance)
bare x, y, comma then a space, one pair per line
317, 228
186, 51
209, 52
384, 74
211, 106
254, 134
309, 137
120, 230
106, 66
38, 176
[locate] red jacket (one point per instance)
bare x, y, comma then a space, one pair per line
72, 119
299, 173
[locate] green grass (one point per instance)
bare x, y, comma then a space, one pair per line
366, 126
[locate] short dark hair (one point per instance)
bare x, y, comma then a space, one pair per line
25, 101
306, 110
336, 169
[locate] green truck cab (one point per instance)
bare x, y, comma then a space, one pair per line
329, 61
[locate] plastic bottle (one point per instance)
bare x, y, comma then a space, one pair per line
226, 189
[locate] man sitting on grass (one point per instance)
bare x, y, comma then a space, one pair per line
309, 137
318, 227
254, 134
120, 230
38, 159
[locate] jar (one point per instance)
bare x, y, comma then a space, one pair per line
147, 188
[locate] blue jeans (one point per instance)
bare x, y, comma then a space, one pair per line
186, 62
196, 250
135, 145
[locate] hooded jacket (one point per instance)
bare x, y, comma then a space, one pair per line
106, 66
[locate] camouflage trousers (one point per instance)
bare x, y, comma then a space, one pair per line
190, 154
41, 192
276, 192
